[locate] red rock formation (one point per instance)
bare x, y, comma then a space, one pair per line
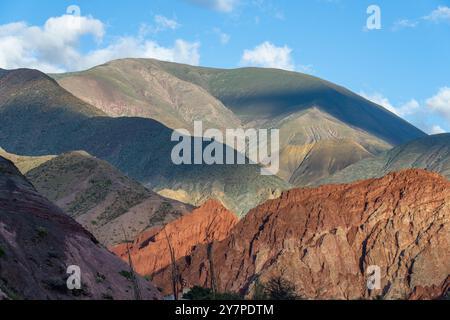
324, 239
150, 251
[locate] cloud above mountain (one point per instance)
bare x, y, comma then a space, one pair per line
422, 114
268, 55
440, 14
55, 46
440, 103
405, 109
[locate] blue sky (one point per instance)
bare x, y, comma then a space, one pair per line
405, 66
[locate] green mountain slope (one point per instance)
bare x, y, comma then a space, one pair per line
101, 198
431, 153
140, 148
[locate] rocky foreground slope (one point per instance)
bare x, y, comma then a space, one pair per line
323, 240
38, 242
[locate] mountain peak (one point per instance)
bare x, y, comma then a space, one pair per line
30, 88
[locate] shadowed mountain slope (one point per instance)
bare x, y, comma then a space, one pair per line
256, 94
306, 109
140, 148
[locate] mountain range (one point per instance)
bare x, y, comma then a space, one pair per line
38, 117
90, 170
307, 110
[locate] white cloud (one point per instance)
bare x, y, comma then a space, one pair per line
442, 13
218, 5
440, 103
432, 116
405, 109
130, 47
55, 47
379, 99
47, 47
163, 23
267, 55
436, 129
408, 108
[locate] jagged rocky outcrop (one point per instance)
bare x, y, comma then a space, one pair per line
323, 240
38, 242
150, 251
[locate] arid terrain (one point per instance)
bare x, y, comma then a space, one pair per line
87, 179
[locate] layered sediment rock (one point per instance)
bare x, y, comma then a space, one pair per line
324, 240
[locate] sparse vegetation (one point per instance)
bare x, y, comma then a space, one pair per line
148, 278
279, 288
164, 209
107, 296
124, 200
199, 293
126, 274
100, 278
41, 232
97, 191
56, 284
160, 214
259, 292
